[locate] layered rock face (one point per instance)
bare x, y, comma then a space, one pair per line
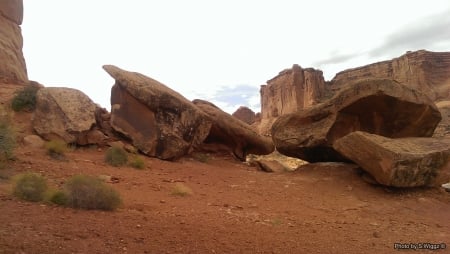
404, 162
160, 122
12, 62
291, 90
379, 106
238, 136
428, 72
245, 114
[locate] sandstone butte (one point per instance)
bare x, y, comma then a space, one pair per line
12, 65
297, 88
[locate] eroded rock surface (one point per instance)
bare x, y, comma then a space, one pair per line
404, 162
159, 121
235, 134
378, 106
12, 63
64, 113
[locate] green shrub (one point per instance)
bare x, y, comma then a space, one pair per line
89, 192
137, 162
57, 197
181, 190
56, 148
25, 99
7, 140
202, 157
30, 187
116, 156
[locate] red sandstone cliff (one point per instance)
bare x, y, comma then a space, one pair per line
426, 71
12, 62
291, 90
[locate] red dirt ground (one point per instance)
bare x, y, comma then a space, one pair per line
322, 208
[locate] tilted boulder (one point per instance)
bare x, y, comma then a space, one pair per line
232, 132
159, 121
379, 106
66, 114
404, 162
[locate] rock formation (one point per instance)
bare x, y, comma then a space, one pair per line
405, 162
235, 134
378, 106
443, 129
12, 62
423, 70
66, 114
245, 114
159, 121
291, 90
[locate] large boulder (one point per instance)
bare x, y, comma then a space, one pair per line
235, 134
379, 106
12, 63
66, 114
159, 121
404, 162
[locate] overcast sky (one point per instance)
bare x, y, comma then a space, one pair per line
220, 51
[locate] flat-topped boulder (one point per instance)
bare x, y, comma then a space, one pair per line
235, 134
379, 106
403, 162
159, 121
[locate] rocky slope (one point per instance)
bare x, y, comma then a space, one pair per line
12, 66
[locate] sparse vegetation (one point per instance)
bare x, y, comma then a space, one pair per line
202, 157
116, 156
57, 197
87, 192
25, 99
137, 162
7, 139
56, 149
181, 190
30, 187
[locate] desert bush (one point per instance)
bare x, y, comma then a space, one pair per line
30, 187
25, 99
202, 157
56, 148
137, 162
181, 190
57, 197
7, 139
87, 192
116, 156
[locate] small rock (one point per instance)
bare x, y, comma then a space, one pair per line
162, 201
376, 235
446, 187
33, 141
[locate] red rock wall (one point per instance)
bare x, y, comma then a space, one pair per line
426, 71
12, 63
293, 89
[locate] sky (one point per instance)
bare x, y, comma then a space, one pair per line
221, 51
